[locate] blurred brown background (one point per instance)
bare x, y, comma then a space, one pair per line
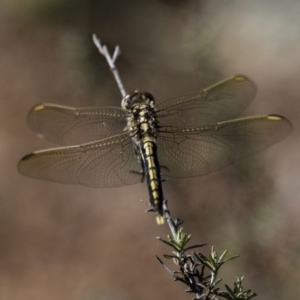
71, 242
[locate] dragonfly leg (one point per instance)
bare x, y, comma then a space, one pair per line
165, 168
149, 210
142, 173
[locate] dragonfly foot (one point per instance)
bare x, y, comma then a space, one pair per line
139, 173
165, 168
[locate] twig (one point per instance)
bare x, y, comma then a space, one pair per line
173, 224
111, 62
186, 267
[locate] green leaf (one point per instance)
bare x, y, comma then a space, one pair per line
223, 255
171, 244
194, 246
230, 258
217, 281
171, 256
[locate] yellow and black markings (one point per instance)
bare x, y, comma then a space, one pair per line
153, 174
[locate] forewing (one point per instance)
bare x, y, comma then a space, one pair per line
107, 163
64, 125
202, 150
222, 101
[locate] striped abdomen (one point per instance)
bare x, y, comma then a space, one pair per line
152, 172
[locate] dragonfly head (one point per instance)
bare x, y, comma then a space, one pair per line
137, 98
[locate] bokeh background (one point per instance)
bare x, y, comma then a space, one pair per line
71, 242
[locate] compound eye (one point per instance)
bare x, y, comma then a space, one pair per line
149, 96
126, 102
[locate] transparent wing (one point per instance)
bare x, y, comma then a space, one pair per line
222, 101
64, 125
107, 163
199, 151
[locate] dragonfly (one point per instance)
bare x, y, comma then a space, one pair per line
185, 136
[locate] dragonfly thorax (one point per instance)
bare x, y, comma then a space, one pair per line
141, 118
136, 99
